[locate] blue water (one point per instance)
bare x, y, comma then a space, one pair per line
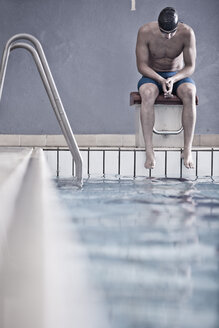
153, 249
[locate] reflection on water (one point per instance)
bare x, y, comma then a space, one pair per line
153, 247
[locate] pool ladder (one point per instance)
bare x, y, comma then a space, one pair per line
49, 84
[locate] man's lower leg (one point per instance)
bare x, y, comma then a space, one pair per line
147, 122
188, 120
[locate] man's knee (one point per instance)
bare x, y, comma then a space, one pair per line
187, 92
148, 93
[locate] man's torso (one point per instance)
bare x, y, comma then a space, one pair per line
165, 54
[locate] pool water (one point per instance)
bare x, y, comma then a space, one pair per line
153, 248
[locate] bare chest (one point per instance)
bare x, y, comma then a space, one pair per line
165, 49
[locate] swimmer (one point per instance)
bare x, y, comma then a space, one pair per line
165, 55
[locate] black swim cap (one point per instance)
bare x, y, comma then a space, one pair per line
168, 19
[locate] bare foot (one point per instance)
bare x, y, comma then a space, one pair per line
150, 159
187, 156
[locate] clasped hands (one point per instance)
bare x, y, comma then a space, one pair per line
167, 85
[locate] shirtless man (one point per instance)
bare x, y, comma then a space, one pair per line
166, 53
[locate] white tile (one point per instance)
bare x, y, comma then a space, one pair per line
111, 161
159, 170
216, 164
128, 140
189, 173
173, 164
86, 140
109, 140
51, 157
168, 141
9, 140
140, 160
55, 141
65, 164
96, 162
33, 140
127, 163
84, 157
209, 140
204, 163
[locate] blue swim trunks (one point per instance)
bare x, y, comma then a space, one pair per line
145, 79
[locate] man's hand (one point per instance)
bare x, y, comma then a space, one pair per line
164, 86
169, 87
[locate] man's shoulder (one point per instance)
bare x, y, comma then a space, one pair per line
148, 27
186, 30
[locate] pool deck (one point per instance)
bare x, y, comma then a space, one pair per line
43, 281
100, 140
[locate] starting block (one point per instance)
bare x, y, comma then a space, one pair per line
168, 128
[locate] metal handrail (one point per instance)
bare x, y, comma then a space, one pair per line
49, 84
168, 132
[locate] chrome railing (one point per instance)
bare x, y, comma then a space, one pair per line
168, 132
49, 84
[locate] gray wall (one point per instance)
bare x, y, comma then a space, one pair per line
90, 47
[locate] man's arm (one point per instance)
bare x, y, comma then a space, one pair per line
142, 56
189, 56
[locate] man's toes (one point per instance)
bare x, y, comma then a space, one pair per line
189, 165
149, 165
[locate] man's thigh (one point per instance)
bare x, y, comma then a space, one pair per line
146, 80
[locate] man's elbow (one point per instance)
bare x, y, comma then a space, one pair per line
190, 69
141, 67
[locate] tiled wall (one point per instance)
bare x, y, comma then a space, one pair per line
130, 162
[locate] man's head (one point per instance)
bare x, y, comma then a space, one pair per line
168, 21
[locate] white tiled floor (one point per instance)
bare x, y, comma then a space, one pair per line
51, 156
216, 163
204, 163
107, 161
140, 160
173, 164
65, 164
159, 170
127, 163
111, 162
96, 162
